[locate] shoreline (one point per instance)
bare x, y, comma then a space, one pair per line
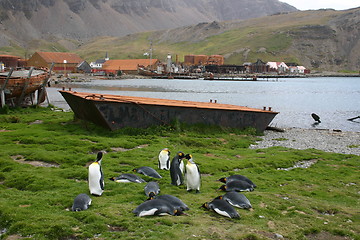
322, 139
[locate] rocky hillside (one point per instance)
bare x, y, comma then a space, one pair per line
23, 23
319, 40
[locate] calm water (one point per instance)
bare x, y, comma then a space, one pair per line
334, 99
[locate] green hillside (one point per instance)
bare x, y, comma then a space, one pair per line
316, 39
266, 38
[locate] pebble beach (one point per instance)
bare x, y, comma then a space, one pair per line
321, 139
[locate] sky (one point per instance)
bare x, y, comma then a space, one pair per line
317, 4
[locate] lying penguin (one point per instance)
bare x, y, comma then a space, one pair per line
147, 171
221, 207
81, 202
128, 177
155, 207
237, 186
236, 199
151, 189
237, 177
176, 202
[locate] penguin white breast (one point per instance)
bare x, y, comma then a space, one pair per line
123, 180
192, 174
149, 212
223, 213
94, 179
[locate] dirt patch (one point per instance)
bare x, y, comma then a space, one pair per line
302, 164
116, 228
14, 237
36, 122
4, 130
120, 149
21, 159
325, 236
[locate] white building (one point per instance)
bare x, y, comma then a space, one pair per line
279, 67
297, 70
98, 64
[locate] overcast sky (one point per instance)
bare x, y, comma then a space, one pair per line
317, 4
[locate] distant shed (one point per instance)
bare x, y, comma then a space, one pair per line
10, 61
129, 66
64, 62
196, 60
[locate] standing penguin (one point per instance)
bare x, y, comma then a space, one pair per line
192, 176
164, 159
96, 176
177, 178
81, 202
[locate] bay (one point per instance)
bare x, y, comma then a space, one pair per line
334, 99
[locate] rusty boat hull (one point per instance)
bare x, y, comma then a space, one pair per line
20, 83
114, 112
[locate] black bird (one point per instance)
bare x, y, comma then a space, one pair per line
316, 118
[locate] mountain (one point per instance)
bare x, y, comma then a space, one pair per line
64, 24
319, 40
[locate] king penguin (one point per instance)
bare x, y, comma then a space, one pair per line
151, 189
222, 207
236, 199
96, 176
164, 159
147, 171
81, 202
175, 201
155, 207
237, 186
237, 177
192, 176
177, 178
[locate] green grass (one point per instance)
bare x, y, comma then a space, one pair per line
35, 200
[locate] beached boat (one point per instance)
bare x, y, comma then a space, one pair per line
16, 85
114, 112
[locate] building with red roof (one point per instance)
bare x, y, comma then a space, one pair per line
63, 61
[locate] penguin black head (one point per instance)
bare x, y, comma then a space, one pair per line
181, 155
135, 170
219, 197
205, 205
188, 156
152, 195
223, 187
112, 178
99, 156
222, 179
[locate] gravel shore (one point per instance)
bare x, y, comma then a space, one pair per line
325, 140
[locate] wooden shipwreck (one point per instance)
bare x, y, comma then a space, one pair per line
114, 112
19, 86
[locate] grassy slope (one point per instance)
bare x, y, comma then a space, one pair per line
240, 43
267, 32
34, 201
